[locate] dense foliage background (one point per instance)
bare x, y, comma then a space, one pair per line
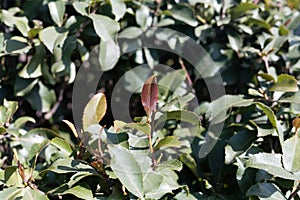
256, 48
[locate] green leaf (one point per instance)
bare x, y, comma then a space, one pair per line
273, 119
182, 115
274, 45
53, 37
217, 109
238, 144
24, 86
62, 145
169, 141
267, 77
33, 68
266, 191
12, 177
142, 16
94, 111
78, 177
17, 44
21, 121
82, 191
259, 22
142, 127
184, 14
11, 108
64, 166
11, 193
105, 27
271, 163
291, 154
57, 11
109, 54
118, 8
127, 169
285, 83
81, 7
31, 194
47, 96
116, 138
242, 8
171, 164
10, 20
170, 82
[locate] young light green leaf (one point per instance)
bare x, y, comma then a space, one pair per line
57, 11
20, 122
285, 83
11, 193
62, 145
94, 110
169, 141
105, 27
142, 15
81, 7
64, 166
118, 8
127, 169
72, 127
109, 54
47, 96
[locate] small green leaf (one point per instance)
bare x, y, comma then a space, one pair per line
184, 14
47, 96
169, 141
267, 77
78, 177
105, 27
52, 37
12, 177
21, 121
127, 169
94, 111
11, 193
109, 54
143, 127
17, 45
118, 8
64, 166
57, 11
82, 191
62, 145
242, 8
142, 15
81, 7
285, 83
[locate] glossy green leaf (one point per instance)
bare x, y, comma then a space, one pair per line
118, 8
57, 11
109, 54
11, 193
82, 191
105, 27
31, 194
291, 154
184, 14
182, 115
24, 86
64, 166
271, 163
78, 177
285, 83
12, 177
242, 8
142, 127
266, 191
62, 145
170, 82
142, 16
169, 141
52, 37
127, 169
33, 68
17, 45
47, 96
217, 109
94, 111
81, 7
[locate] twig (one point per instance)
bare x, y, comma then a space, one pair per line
49, 114
186, 72
265, 59
150, 136
293, 194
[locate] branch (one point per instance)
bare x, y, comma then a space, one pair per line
49, 114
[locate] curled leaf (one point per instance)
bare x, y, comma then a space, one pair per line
150, 95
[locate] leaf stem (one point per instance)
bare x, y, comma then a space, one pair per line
150, 136
265, 59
